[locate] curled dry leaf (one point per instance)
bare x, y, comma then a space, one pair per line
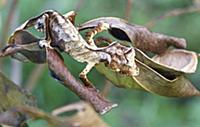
152, 81
23, 46
89, 94
84, 117
157, 75
119, 80
88, 118
178, 59
165, 80
174, 62
167, 71
140, 36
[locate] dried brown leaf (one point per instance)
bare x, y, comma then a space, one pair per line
88, 118
159, 78
175, 62
140, 36
119, 80
84, 117
162, 75
152, 81
177, 59
23, 46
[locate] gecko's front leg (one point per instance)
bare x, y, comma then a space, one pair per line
70, 16
90, 35
83, 74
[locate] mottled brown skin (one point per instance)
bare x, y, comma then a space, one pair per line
60, 33
119, 53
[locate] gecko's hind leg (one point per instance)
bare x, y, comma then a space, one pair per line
99, 40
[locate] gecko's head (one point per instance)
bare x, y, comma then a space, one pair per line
41, 20
40, 23
64, 29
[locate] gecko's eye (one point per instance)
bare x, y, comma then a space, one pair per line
40, 24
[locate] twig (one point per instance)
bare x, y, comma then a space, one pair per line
79, 5
106, 88
34, 77
172, 13
76, 106
39, 114
16, 71
7, 24
8, 21
128, 9
89, 94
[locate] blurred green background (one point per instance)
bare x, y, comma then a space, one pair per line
136, 108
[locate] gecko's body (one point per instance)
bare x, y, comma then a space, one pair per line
62, 34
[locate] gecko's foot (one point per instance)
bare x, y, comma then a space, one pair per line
44, 44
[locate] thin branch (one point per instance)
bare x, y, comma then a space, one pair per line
84, 117
76, 106
107, 88
128, 9
8, 21
89, 94
7, 25
79, 5
173, 13
16, 71
35, 113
